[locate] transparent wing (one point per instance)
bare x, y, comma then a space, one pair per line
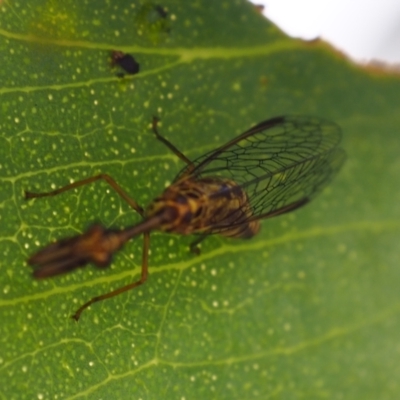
282, 161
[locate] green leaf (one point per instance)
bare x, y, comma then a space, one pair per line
307, 309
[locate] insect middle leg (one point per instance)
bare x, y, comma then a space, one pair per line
143, 277
83, 182
194, 246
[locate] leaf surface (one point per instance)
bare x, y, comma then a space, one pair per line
309, 308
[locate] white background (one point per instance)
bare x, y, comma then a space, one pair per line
363, 29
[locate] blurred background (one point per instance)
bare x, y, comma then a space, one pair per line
363, 29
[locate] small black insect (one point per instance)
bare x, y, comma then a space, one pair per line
126, 62
273, 168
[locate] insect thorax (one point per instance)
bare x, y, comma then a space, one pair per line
205, 205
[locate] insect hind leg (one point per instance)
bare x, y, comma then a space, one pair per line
107, 178
143, 277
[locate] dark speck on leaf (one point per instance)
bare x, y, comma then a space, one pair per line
161, 12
